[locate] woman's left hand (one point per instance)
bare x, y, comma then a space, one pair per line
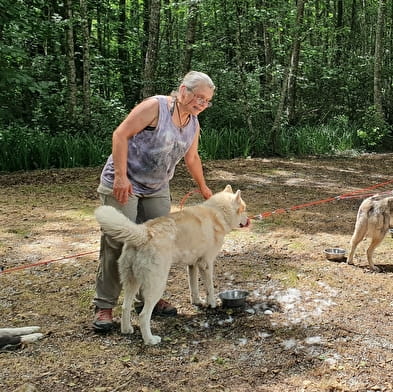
206, 192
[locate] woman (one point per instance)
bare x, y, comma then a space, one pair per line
146, 147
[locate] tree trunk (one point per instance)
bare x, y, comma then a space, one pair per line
378, 60
152, 50
294, 65
86, 62
146, 20
239, 58
190, 34
265, 56
124, 56
70, 55
288, 87
339, 31
279, 113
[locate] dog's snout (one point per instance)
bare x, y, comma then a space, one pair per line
246, 222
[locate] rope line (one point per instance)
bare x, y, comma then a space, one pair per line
359, 193
186, 196
45, 262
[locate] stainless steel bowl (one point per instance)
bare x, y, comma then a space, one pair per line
233, 298
335, 254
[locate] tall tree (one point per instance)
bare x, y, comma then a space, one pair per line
378, 60
86, 62
240, 55
339, 30
70, 55
190, 34
294, 64
149, 73
124, 56
288, 89
265, 55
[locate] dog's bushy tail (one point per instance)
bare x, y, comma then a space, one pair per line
119, 227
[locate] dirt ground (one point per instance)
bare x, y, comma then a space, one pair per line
309, 324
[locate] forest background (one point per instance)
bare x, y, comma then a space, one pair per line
293, 77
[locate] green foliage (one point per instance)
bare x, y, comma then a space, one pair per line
374, 130
336, 137
332, 138
244, 46
22, 148
225, 143
314, 139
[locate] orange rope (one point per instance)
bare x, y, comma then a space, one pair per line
350, 195
21, 267
183, 200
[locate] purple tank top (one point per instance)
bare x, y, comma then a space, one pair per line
154, 152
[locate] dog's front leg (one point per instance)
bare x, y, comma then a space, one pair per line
207, 275
193, 283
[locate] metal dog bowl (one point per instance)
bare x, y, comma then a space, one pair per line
233, 298
335, 254
391, 232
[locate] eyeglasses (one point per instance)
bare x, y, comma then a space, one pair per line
199, 100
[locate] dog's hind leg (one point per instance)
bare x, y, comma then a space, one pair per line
375, 241
152, 289
131, 288
145, 317
358, 235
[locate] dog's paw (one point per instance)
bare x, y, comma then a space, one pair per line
212, 304
127, 329
197, 301
153, 340
374, 268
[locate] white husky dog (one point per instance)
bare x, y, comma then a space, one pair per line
193, 237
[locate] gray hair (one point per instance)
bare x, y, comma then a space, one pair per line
194, 79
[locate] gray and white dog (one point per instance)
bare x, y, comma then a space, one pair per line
373, 220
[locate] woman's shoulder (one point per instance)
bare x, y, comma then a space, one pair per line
156, 101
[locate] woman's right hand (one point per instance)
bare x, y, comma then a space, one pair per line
122, 188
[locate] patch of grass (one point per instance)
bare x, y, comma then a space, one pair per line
82, 213
22, 148
225, 143
289, 277
266, 225
297, 245
19, 231
327, 139
85, 298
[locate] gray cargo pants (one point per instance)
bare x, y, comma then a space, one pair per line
139, 209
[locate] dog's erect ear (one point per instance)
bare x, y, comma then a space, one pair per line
228, 188
238, 196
